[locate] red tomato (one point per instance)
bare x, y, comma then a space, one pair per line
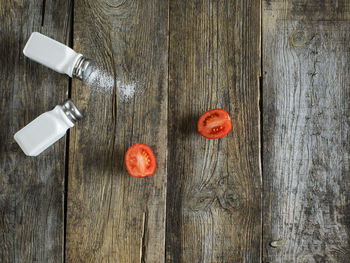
140, 160
214, 124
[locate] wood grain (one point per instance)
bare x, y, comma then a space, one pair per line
31, 189
111, 216
306, 125
214, 186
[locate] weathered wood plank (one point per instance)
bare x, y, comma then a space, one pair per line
214, 186
31, 189
306, 147
113, 217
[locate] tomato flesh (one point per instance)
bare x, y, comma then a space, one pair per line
140, 160
214, 124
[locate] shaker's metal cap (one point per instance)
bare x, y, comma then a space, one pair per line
81, 68
71, 111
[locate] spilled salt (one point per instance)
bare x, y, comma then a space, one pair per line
101, 81
98, 79
126, 91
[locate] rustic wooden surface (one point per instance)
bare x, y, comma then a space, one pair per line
31, 189
111, 216
214, 193
207, 201
306, 131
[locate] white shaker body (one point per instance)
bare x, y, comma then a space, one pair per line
51, 53
43, 131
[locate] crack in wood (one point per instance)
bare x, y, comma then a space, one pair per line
43, 13
143, 238
68, 26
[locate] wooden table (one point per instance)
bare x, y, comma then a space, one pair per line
276, 189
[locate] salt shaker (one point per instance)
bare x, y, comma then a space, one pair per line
48, 128
57, 56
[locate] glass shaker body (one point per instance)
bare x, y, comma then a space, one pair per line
46, 129
55, 55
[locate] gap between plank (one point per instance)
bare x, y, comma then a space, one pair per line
261, 131
69, 42
167, 140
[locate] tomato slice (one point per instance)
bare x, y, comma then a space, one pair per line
140, 160
214, 124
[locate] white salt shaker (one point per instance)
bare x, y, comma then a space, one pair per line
56, 56
48, 128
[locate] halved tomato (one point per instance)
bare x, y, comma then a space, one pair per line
140, 160
214, 124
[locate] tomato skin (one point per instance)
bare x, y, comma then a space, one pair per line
140, 160
214, 124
